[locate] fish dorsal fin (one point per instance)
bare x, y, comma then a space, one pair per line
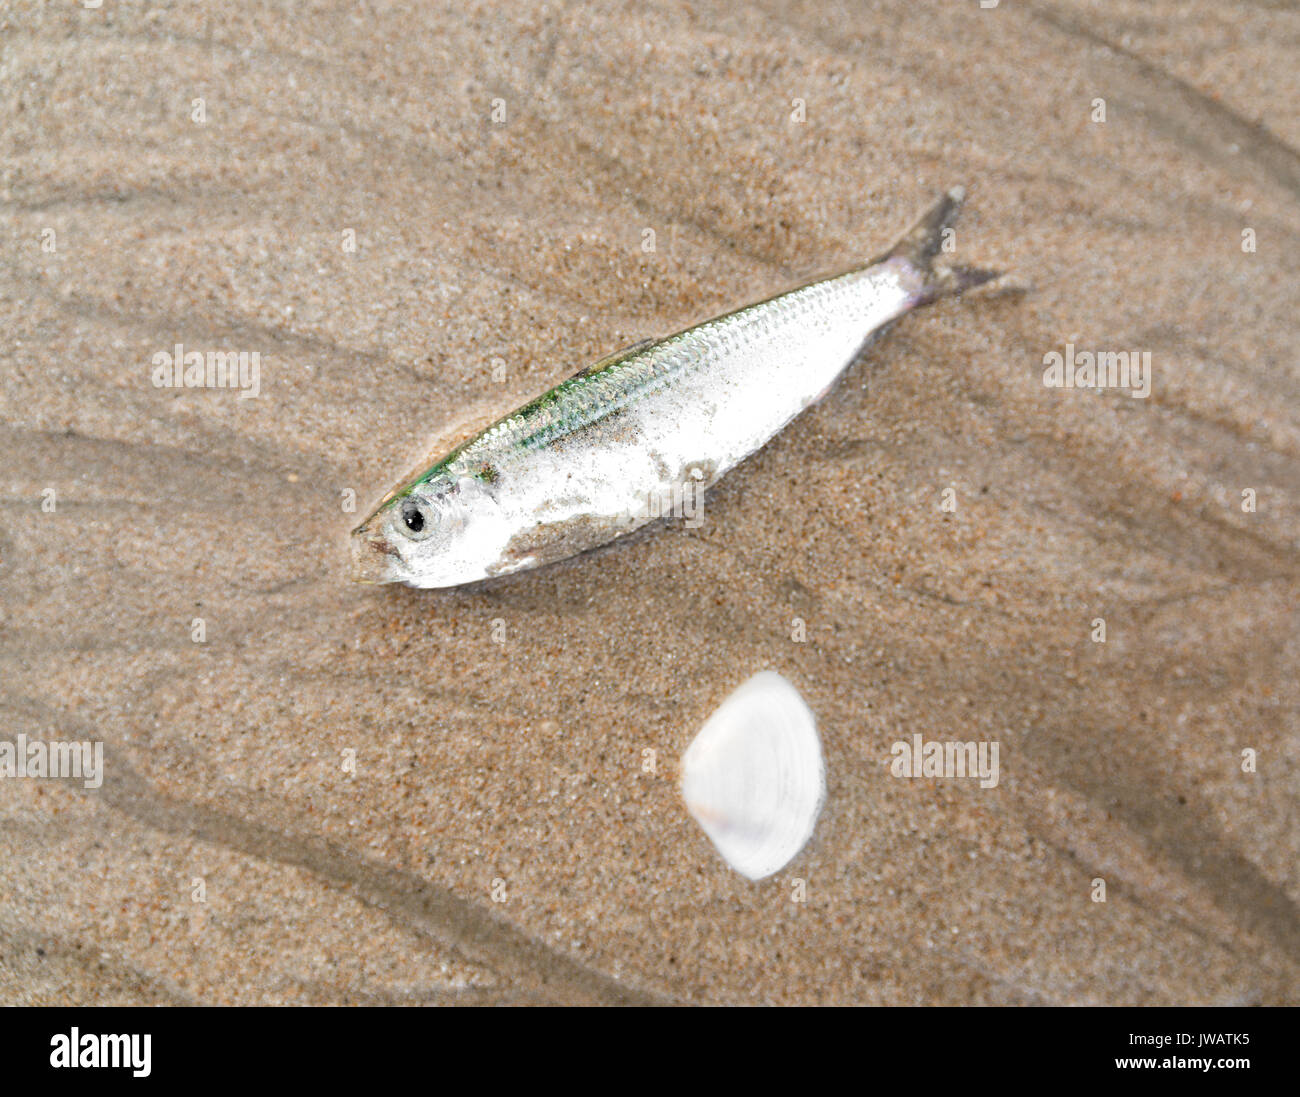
614, 358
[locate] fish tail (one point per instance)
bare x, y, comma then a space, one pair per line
926, 240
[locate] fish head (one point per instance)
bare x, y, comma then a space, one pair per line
438, 532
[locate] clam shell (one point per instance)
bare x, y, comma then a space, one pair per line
754, 778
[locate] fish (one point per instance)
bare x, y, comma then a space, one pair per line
645, 429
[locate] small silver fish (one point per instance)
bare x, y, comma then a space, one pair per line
619, 443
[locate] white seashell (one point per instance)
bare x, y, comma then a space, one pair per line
754, 777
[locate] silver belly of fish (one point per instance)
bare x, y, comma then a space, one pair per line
642, 433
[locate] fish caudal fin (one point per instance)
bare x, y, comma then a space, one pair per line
929, 238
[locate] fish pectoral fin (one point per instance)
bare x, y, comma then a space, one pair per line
617, 356
546, 542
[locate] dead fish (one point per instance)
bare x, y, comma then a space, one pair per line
617, 444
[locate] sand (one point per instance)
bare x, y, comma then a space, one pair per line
349, 795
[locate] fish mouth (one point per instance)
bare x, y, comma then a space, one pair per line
374, 560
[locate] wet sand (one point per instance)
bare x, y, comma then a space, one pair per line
378, 799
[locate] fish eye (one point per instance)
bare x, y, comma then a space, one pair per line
416, 519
